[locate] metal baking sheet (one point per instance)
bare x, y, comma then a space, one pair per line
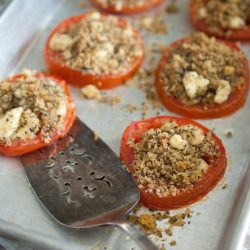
224, 215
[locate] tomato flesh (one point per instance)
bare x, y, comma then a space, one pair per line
184, 198
26, 146
235, 101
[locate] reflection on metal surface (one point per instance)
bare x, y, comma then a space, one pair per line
80, 172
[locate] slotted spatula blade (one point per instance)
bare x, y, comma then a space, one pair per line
82, 183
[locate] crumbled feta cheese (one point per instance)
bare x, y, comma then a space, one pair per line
223, 91
197, 136
118, 6
194, 84
29, 128
28, 72
60, 42
62, 108
236, 22
202, 12
109, 47
203, 165
101, 54
176, 141
128, 31
91, 92
94, 16
9, 123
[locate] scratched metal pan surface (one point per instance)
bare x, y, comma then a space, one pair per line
222, 222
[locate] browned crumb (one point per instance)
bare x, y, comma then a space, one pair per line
154, 25
147, 222
82, 4
160, 164
228, 133
91, 92
225, 185
131, 108
144, 80
96, 136
163, 247
172, 7
169, 231
111, 100
172, 243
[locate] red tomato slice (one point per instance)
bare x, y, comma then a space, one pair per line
200, 189
128, 9
235, 101
26, 146
239, 34
77, 77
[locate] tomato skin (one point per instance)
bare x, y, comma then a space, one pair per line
26, 146
184, 198
239, 34
130, 10
235, 101
77, 77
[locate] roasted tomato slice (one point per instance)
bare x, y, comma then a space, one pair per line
236, 34
79, 78
21, 147
215, 172
235, 101
149, 4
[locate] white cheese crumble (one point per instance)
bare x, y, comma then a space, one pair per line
9, 123
203, 165
202, 13
91, 92
197, 135
62, 108
223, 91
60, 42
176, 141
194, 84
30, 128
236, 22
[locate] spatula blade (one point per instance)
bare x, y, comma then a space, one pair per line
80, 180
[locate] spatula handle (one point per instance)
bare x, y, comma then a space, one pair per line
136, 234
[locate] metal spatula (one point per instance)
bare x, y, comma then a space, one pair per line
82, 183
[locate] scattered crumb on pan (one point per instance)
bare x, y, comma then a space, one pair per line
153, 24
131, 108
148, 221
91, 92
96, 136
228, 133
172, 8
83, 4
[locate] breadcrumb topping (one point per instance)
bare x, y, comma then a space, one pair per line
171, 158
98, 44
202, 70
223, 16
30, 105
